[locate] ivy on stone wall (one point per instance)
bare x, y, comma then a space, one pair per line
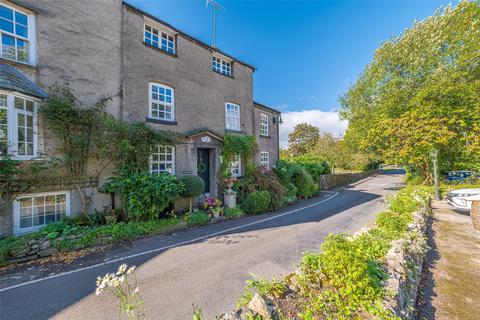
73, 124
87, 131
233, 144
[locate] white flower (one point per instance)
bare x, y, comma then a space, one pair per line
135, 291
130, 271
122, 269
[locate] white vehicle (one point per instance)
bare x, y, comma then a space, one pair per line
462, 198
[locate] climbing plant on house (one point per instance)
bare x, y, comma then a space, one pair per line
241, 145
86, 132
73, 124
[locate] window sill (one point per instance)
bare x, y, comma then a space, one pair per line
233, 131
167, 122
174, 55
223, 74
17, 63
265, 137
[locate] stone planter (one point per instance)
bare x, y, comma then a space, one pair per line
230, 199
475, 214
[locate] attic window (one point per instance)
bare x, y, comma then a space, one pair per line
159, 39
222, 66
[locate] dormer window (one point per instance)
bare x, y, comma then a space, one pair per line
160, 40
222, 66
16, 31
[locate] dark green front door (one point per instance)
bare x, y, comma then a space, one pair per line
203, 167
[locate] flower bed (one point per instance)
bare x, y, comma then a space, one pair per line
65, 236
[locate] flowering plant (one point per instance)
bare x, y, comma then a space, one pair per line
131, 303
213, 205
230, 180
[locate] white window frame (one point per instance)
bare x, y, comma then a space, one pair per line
166, 104
236, 166
232, 116
30, 39
164, 162
265, 159
165, 41
221, 66
16, 210
264, 124
12, 125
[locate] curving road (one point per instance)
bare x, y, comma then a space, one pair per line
207, 265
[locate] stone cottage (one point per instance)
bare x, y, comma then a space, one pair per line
153, 72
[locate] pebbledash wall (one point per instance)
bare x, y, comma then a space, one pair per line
98, 48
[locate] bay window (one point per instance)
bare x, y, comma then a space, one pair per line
18, 126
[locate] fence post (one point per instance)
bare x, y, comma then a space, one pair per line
475, 214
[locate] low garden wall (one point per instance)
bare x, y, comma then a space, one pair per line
404, 264
329, 181
401, 265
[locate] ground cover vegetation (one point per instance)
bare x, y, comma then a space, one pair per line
345, 280
419, 93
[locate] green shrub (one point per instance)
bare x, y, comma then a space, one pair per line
286, 170
346, 280
256, 202
306, 187
262, 179
295, 179
66, 235
144, 195
193, 187
233, 213
315, 166
197, 218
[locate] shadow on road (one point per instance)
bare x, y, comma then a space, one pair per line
47, 298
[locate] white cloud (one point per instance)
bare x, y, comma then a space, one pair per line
326, 121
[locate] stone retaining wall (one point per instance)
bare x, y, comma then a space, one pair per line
329, 181
404, 264
33, 249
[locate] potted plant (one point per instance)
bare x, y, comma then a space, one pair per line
229, 181
193, 187
213, 206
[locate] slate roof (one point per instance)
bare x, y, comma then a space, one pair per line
261, 105
13, 80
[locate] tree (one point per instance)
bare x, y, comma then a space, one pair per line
330, 149
194, 186
302, 139
420, 93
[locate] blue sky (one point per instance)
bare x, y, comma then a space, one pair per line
306, 52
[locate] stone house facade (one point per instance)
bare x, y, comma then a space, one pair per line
153, 72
